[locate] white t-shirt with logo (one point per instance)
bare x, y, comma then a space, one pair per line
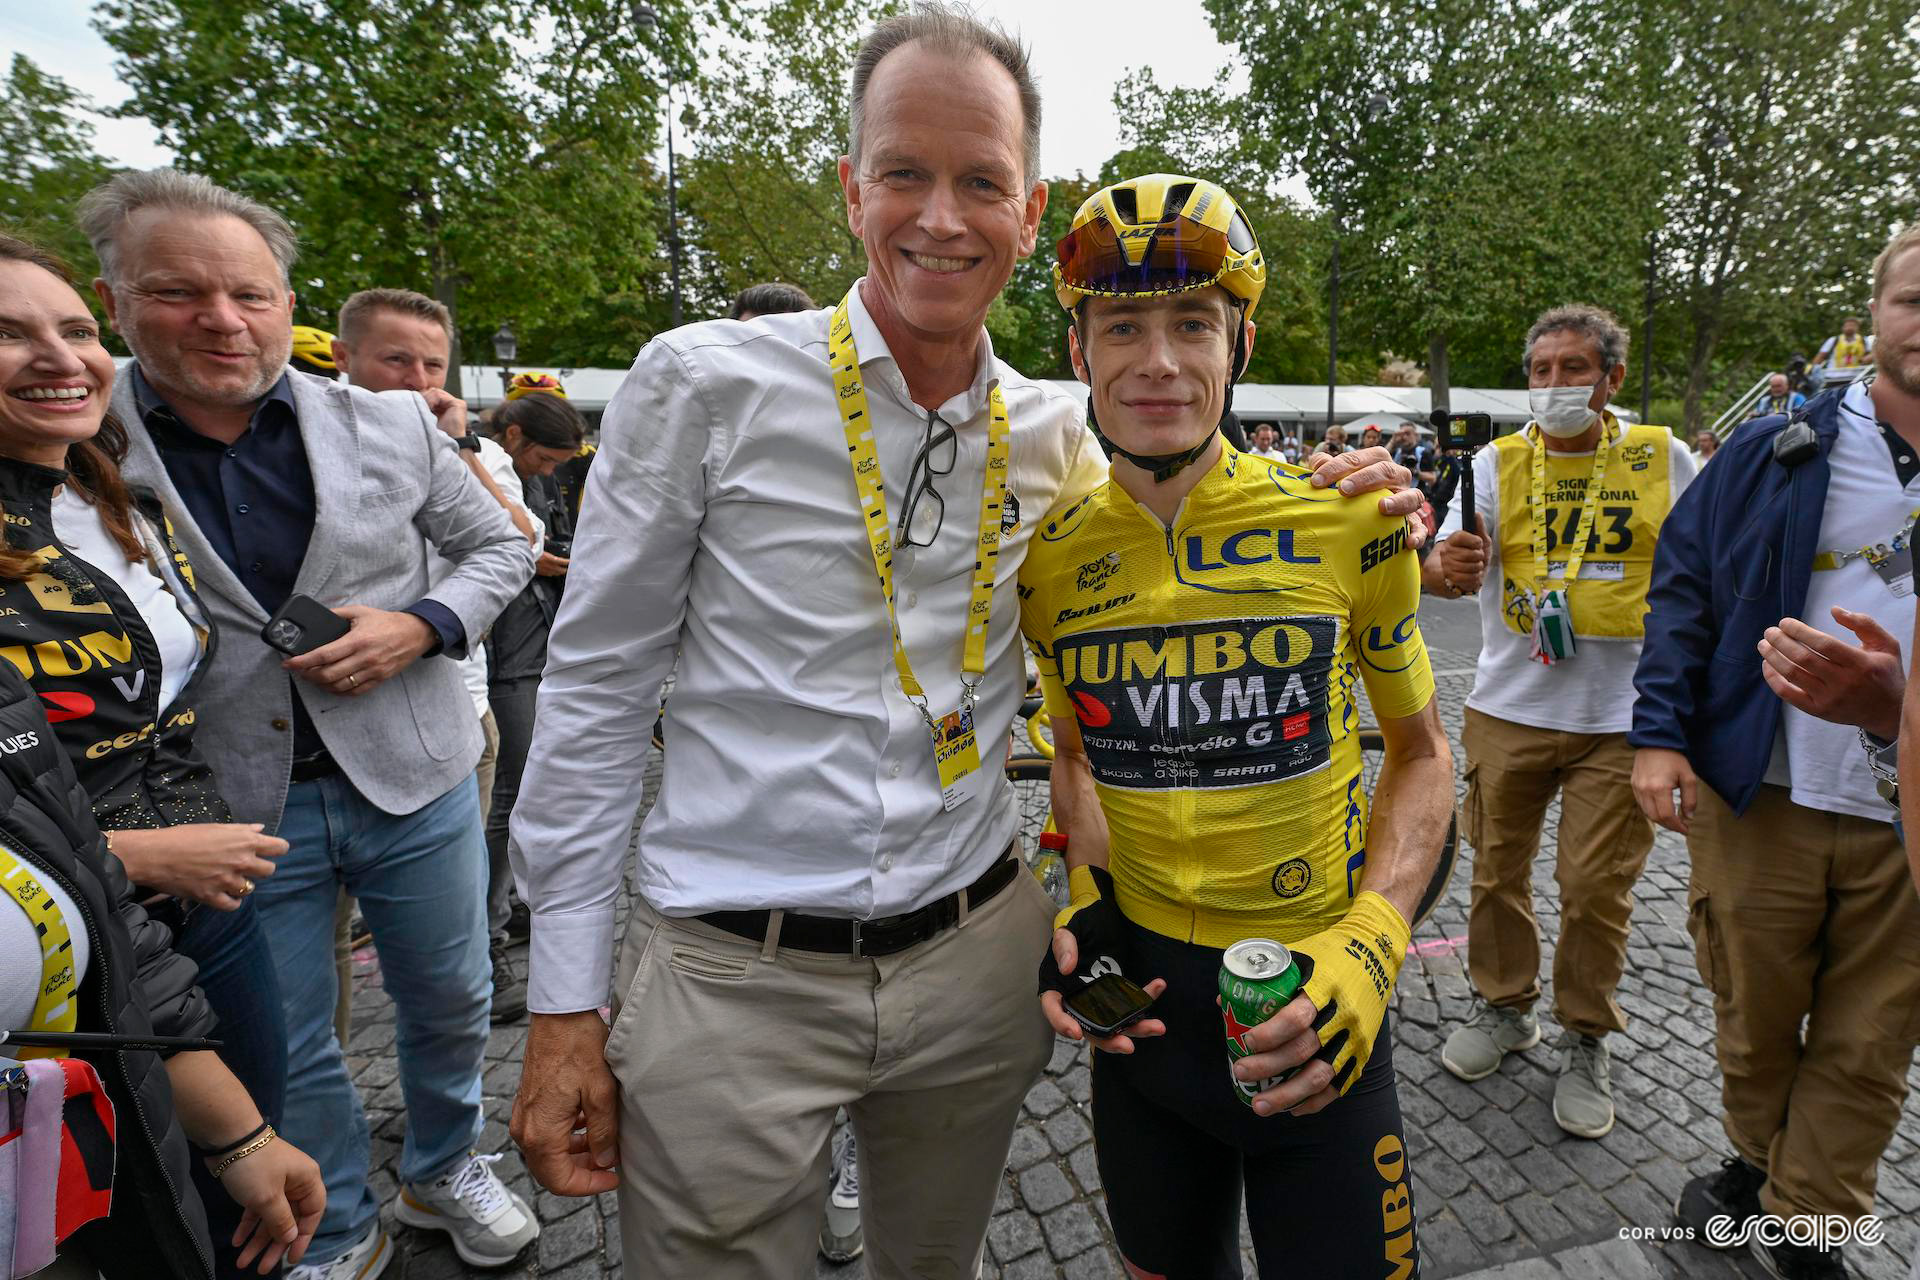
1822, 762
1591, 692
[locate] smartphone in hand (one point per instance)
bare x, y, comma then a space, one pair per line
302, 625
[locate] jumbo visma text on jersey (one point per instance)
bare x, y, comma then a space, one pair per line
1209, 704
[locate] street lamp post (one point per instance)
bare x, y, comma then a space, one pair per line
1375, 106
505, 348
647, 21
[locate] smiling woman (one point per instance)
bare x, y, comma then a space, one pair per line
106, 628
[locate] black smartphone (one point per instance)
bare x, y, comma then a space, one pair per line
1462, 430
1108, 1004
303, 624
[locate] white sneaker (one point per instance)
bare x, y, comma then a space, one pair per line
362, 1262
840, 1238
489, 1224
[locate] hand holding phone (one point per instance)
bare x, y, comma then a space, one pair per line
302, 625
1107, 1004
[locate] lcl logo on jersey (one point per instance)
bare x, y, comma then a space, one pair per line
1243, 548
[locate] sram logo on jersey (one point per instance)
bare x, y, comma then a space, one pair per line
1203, 704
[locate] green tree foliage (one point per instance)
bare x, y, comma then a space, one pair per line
1780, 139
494, 153
761, 189
1456, 148
47, 160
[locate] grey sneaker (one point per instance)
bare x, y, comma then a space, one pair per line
488, 1223
840, 1239
1583, 1097
1474, 1050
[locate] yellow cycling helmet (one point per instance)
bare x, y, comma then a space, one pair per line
528, 384
1164, 233
313, 350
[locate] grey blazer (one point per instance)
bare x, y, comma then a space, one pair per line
386, 483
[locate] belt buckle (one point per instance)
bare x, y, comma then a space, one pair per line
858, 954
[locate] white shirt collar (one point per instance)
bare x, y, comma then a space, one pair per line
883, 370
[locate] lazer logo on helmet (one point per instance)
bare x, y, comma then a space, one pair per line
1206, 704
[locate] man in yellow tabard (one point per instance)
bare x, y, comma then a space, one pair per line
1570, 512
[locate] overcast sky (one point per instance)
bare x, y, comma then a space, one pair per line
1078, 134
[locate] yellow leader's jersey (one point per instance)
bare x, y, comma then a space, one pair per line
1211, 669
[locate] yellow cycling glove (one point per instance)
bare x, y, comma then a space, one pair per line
1349, 970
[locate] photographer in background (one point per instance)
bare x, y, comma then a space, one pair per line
539, 430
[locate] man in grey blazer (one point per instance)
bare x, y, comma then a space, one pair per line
360, 753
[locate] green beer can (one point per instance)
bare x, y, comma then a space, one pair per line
1257, 977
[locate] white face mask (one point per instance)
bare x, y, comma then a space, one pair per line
1562, 411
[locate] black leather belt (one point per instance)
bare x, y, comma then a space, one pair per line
309, 768
860, 938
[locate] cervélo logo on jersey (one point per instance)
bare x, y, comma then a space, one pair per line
1233, 703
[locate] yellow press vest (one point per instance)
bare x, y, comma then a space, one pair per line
1849, 353
1609, 601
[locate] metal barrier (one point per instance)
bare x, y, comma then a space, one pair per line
1737, 412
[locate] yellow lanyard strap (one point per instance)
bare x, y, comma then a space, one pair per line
851, 395
54, 1007
1590, 503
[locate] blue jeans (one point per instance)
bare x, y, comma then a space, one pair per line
421, 879
236, 973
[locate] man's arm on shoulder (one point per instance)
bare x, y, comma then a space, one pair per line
467, 526
611, 648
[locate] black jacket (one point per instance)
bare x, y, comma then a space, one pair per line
135, 983
90, 657
517, 644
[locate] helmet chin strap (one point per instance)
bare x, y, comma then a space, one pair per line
1165, 466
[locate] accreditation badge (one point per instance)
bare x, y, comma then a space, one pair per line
1552, 627
957, 753
1893, 565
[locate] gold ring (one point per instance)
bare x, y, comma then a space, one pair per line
246, 886
352, 679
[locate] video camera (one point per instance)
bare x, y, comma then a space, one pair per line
1460, 436
1461, 432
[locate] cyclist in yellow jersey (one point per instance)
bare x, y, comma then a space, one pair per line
1203, 624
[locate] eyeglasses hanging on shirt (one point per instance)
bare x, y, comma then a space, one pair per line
925, 510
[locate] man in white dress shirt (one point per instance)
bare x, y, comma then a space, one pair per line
854, 929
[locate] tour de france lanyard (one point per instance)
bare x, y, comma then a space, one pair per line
54, 1006
1589, 504
955, 750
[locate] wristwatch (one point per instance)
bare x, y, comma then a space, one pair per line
1883, 761
469, 442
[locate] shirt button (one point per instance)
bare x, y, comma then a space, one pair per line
242, 508
254, 567
280, 724
893, 770
233, 453
886, 862
913, 598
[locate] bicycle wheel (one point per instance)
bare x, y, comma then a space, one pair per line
1372, 750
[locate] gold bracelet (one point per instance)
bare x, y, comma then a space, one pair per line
259, 1142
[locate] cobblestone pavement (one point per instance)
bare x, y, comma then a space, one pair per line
1499, 1189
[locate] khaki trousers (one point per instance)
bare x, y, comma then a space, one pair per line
732, 1058
1513, 771
343, 908
1804, 917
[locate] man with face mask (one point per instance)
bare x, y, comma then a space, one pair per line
1551, 700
